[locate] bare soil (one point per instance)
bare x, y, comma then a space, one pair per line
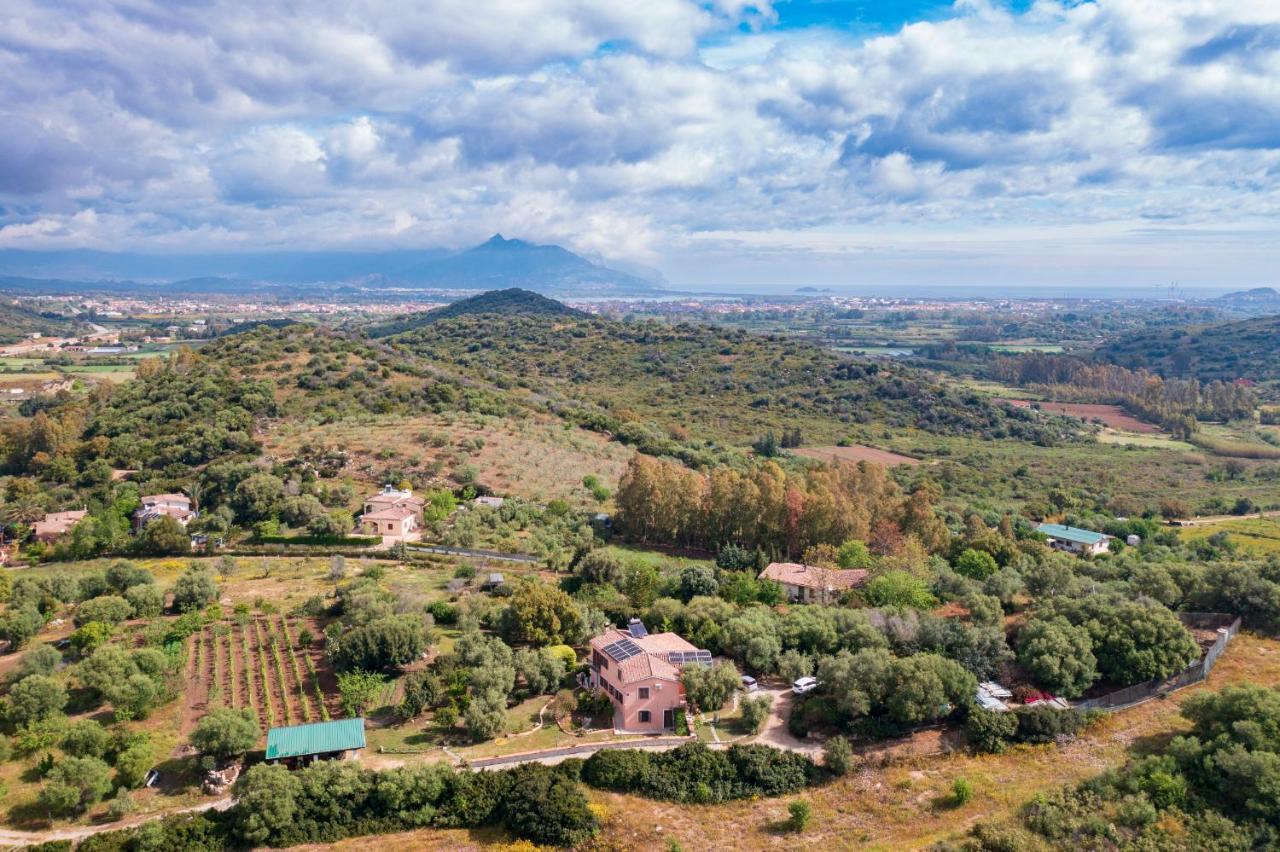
1109, 415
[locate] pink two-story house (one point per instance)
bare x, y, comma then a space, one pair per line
640, 672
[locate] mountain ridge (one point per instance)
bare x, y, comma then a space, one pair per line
498, 263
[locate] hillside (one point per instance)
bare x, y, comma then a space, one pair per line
1245, 349
655, 385
510, 302
16, 322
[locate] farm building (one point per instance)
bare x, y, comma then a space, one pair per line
810, 583
1075, 540
298, 745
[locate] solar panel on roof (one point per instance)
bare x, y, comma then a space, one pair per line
685, 658
637, 628
623, 649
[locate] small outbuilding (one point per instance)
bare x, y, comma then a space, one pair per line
299, 745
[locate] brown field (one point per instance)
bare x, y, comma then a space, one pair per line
258, 665
855, 453
1110, 415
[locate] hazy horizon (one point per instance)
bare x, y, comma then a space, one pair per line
774, 143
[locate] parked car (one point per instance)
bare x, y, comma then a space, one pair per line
749, 683
804, 684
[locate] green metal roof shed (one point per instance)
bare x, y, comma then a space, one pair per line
1071, 533
317, 738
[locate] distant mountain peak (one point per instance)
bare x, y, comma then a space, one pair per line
510, 302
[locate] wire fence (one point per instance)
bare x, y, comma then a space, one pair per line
1226, 625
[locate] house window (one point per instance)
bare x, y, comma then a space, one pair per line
644, 716
644, 692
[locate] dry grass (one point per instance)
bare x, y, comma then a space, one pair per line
535, 459
856, 453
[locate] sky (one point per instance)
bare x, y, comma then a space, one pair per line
725, 143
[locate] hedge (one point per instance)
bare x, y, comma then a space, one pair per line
695, 773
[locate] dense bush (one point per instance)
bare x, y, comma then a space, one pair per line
694, 773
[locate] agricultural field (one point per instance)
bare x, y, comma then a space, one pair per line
1239, 440
259, 662
1109, 415
1253, 536
1005, 476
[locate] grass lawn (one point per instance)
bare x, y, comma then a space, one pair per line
654, 558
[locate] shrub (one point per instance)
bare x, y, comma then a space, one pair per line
443, 612
837, 756
35, 699
901, 590
990, 731
86, 738
146, 600
226, 732
133, 763
40, 660
74, 784
693, 772
800, 814
1041, 723
754, 712
976, 564
961, 792
545, 806
108, 609
195, 589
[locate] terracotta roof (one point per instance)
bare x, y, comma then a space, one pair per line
391, 513
395, 500
166, 498
651, 663
56, 523
811, 577
149, 512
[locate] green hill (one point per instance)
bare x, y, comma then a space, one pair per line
510, 302
1246, 349
17, 321
656, 386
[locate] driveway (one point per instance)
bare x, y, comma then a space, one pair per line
13, 839
775, 731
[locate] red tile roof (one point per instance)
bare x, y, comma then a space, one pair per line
813, 577
651, 663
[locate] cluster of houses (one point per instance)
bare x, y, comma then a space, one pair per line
55, 525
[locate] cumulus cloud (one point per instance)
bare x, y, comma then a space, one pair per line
635, 130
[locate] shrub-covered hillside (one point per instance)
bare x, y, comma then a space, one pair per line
1249, 349
703, 381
